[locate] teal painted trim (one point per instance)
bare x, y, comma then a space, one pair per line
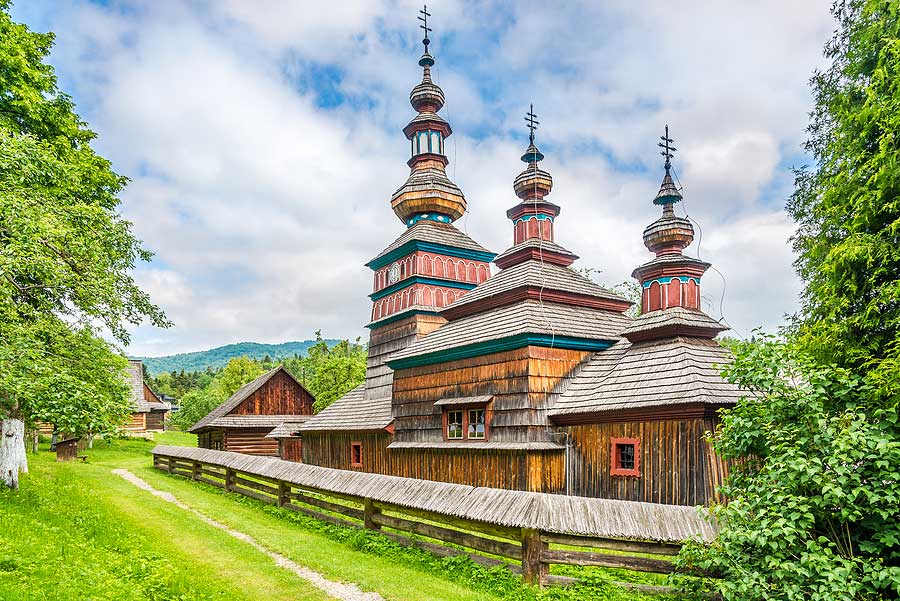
419, 280
538, 216
439, 217
414, 245
398, 317
682, 279
502, 344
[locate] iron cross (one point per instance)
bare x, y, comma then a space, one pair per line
667, 147
424, 19
531, 120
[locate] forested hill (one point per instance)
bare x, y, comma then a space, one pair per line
219, 356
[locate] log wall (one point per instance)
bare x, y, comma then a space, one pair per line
677, 465
250, 441
156, 420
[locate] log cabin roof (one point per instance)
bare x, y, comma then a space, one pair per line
655, 373
353, 411
433, 232
288, 428
136, 385
606, 518
533, 273
254, 421
523, 318
240, 395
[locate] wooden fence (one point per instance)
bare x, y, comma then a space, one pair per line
523, 550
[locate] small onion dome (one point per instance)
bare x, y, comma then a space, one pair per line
428, 190
668, 193
426, 96
668, 234
534, 182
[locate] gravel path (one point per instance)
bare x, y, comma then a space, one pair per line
338, 590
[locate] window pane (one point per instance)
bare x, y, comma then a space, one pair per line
476, 423
435, 142
626, 456
454, 424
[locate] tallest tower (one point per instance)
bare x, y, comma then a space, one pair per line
431, 264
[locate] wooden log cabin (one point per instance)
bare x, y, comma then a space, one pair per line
534, 378
242, 423
149, 410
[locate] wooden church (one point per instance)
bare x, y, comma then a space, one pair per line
533, 378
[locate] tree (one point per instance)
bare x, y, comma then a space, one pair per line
329, 372
65, 258
198, 402
848, 206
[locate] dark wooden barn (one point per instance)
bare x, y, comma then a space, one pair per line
243, 422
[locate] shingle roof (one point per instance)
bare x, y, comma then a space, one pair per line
606, 518
353, 411
673, 316
649, 374
253, 421
287, 429
136, 384
524, 317
546, 245
240, 395
533, 273
436, 233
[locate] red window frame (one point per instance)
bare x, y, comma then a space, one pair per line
356, 454
445, 422
616, 468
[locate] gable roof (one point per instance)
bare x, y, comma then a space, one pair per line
353, 411
649, 374
240, 395
522, 318
136, 385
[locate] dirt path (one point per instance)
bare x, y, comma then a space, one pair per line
338, 590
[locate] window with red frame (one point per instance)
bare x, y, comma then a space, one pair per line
356, 454
625, 459
466, 424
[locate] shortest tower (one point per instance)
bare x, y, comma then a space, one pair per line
671, 279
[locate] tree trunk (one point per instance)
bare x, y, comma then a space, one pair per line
12, 451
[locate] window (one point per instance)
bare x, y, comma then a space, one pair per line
454, 425
355, 454
470, 423
625, 459
435, 142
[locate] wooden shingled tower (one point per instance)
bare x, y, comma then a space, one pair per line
432, 264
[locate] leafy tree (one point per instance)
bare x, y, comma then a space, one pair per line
814, 501
198, 402
329, 372
65, 258
848, 206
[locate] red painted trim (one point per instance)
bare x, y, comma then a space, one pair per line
672, 331
445, 422
353, 446
389, 428
533, 207
615, 469
427, 124
534, 293
430, 156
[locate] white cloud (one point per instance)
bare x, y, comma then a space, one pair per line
262, 206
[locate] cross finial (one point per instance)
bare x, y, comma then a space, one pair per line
668, 149
424, 19
531, 120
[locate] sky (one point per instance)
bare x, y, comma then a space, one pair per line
263, 141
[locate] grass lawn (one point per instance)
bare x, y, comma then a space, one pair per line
76, 530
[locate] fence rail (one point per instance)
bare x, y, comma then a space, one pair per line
486, 543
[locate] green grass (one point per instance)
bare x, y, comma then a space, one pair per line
75, 530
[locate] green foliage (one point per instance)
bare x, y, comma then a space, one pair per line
218, 357
329, 372
197, 403
848, 206
65, 253
814, 502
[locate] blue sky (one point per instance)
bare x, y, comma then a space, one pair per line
263, 140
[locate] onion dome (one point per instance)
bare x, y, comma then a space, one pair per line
428, 193
533, 183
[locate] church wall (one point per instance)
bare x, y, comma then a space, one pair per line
677, 465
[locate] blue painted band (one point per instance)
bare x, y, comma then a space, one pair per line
420, 280
682, 279
503, 344
398, 316
538, 216
414, 245
439, 217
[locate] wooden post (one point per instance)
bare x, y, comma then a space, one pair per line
229, 479
283, 490
195, 470
533, 571
370, 510
169, 464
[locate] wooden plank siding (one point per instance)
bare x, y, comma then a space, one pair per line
278, 396
291, 449
677, 465
250, 441
332, 449
137, 423
156, 420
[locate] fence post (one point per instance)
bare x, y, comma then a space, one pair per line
283, 490
170, 462
533, 571
195, 470
229, 479
370, 510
